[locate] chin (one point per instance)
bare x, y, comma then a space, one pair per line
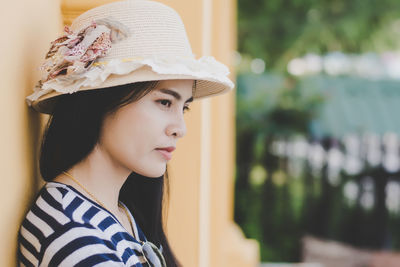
154, 172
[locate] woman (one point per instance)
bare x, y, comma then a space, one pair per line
116, 86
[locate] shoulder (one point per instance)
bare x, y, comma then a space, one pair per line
47, 216
77, 244
55, 206
63, 228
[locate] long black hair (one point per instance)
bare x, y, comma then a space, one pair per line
71, 134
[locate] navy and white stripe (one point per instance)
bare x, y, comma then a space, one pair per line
65, 228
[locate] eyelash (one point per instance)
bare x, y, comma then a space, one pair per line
185, 108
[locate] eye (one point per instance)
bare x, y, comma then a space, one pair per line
165, 102
168, 103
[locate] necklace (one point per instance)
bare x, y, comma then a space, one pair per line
151, 253
101, 204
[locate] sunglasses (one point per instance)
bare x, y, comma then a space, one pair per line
153, 254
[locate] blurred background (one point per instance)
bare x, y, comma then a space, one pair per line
317, 131
298, 166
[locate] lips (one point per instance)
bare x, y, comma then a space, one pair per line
166, 152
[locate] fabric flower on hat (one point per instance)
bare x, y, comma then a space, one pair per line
74, 53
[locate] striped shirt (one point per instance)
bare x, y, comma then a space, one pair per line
65, 228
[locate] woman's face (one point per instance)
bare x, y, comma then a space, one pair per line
133, 136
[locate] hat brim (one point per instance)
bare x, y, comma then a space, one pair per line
205, 86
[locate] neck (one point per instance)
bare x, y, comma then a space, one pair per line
99, 175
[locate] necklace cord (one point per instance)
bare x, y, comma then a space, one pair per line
101, 204
156, 250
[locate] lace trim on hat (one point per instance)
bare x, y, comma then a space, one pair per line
205, 67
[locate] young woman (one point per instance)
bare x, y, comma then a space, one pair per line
116, 85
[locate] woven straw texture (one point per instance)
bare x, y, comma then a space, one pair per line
156, 48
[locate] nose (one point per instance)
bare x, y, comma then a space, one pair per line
177, 127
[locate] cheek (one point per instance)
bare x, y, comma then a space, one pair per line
131, 137
127, 135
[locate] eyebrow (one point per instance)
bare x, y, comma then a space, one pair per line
174, 94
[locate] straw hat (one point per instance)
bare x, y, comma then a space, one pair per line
120, 43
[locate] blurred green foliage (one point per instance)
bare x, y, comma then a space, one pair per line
269, 203
279, 30
272, 105
278, 206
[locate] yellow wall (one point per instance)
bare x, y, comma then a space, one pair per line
200, 220
201, 207
27, 28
